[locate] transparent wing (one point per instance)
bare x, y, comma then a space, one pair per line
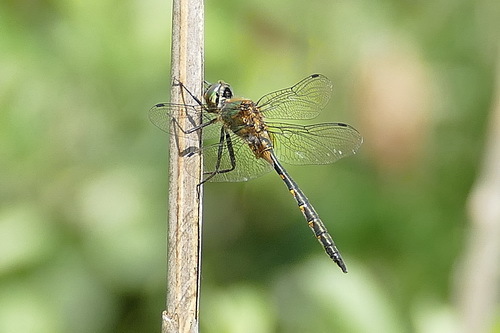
162, 115
314, 144
246, 165
304, 100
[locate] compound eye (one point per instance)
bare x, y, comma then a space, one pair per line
227, 93
212, 95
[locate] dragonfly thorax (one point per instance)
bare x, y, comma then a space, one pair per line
243, 118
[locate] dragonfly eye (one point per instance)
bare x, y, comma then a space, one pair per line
228, 93
212, 95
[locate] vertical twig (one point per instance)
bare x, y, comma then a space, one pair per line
479, 274
184, 220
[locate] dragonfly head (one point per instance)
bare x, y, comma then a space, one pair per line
217, 93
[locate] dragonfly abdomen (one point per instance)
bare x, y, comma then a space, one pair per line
312, 218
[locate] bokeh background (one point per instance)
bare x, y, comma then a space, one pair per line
83, 174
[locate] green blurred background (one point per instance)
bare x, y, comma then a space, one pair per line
84, 174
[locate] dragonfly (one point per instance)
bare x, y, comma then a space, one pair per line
240, 143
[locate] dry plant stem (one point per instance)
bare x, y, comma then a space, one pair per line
479, 274
184, 220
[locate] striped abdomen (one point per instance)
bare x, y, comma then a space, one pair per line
310, 214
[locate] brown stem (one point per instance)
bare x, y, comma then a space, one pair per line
184, 220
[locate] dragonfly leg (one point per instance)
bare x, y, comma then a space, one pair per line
189, 151
194, 128
225, 138
193, 121
180, 84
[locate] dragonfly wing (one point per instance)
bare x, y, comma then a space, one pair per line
241, 166
304, 100
162, 115
314, 144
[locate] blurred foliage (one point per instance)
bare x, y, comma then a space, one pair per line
83, 175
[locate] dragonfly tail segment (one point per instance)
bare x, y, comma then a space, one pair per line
312, 218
